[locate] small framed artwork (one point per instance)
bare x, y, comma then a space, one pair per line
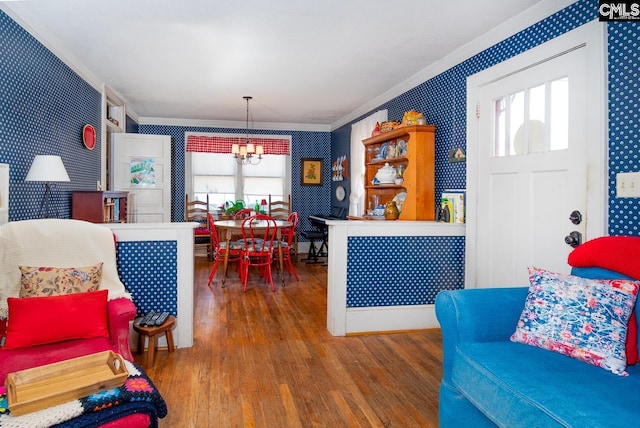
311, 172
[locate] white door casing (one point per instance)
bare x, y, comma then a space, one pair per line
149, 202
518, 206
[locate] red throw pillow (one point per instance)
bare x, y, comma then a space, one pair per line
615, 253
40, 320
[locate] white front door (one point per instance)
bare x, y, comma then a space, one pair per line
535, 157
142, 167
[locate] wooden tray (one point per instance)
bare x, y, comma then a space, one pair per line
45, 386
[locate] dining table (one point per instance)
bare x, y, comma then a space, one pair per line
233, 228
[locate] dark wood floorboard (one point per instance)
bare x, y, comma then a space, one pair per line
266, 359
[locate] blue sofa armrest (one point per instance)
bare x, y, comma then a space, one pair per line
477, 315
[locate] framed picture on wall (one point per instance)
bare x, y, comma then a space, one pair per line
311, 172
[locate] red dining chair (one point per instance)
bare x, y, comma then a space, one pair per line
197, 211
218, 249
258, 233
242, 214
287, 243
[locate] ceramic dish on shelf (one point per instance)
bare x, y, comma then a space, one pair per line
401, 148
399, 200
374, 217
382, 154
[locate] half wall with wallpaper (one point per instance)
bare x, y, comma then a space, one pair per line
155, 263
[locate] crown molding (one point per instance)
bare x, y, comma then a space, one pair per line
232, 124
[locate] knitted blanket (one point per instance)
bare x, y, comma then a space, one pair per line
137, 395
57, 243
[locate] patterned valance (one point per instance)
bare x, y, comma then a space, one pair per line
204, 144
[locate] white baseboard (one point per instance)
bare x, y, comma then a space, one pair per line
391, 318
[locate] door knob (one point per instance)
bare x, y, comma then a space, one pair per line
575, 217
573, 239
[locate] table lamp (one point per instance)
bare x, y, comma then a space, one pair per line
48, 169
263, 204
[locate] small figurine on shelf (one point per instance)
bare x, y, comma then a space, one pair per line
413, 117
376, 130
391, 150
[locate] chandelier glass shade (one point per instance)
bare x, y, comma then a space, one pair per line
247, 153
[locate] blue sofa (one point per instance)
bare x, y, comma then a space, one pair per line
490, 381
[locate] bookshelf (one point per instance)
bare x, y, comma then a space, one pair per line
99, 206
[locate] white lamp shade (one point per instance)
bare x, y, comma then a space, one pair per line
47, 168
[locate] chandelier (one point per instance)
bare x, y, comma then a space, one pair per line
248, 153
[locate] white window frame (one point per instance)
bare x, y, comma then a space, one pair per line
188, 183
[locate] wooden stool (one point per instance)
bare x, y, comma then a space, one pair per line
152, 333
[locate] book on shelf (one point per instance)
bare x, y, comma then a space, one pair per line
454, 200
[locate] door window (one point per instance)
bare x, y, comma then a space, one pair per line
533, 120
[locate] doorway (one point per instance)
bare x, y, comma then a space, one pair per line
536, 145
141, 165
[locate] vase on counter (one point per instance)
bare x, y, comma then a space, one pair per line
391, 211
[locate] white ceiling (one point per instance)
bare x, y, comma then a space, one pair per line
304, 62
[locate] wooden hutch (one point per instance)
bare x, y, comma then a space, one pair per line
411, 148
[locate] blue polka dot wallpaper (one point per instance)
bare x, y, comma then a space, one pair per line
624, 122
43, 107
410, 271
149, 271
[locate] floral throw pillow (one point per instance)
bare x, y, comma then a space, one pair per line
582, 318
52, 281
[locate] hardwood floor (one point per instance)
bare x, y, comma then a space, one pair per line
266, 359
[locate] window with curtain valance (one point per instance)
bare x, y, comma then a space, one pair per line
212, 170
222, 144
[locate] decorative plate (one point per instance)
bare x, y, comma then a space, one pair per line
340, 193
89, 136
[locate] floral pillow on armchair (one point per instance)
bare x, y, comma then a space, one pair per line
52, 281
581, 318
